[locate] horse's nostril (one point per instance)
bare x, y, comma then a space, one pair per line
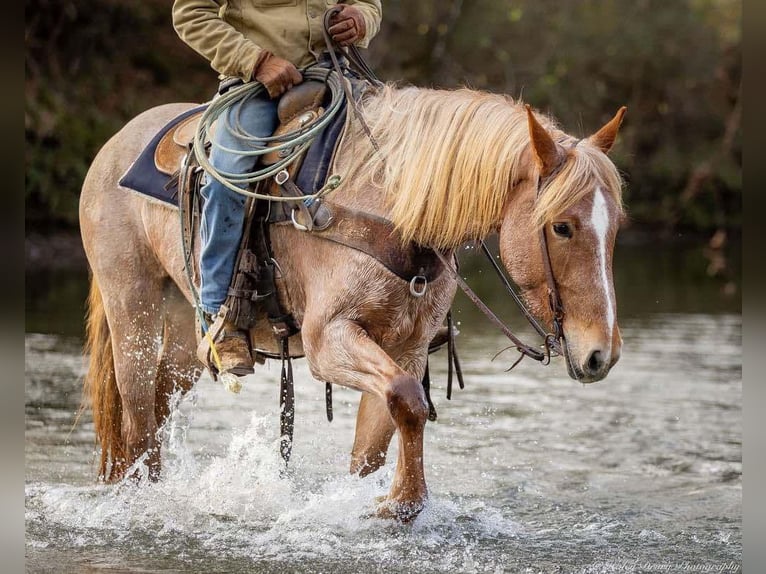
595, 362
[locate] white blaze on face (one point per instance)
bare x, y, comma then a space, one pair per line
599, 219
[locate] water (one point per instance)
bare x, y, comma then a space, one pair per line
528, 471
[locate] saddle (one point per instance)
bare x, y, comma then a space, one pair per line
253, 290
298, 106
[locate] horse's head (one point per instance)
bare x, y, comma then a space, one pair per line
571, 191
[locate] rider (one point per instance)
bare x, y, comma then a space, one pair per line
267, 41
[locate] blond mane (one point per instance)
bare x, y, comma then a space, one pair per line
447, 161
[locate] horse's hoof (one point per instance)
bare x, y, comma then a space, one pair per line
402, 511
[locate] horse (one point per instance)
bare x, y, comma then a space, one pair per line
447, 167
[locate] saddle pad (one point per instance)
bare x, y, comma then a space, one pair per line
143, 175
313, 172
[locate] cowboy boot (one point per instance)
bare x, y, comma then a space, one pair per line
232, 347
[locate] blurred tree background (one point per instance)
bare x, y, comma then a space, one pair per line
91, 65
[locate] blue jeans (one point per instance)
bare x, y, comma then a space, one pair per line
223, 213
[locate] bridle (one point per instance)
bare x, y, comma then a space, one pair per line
553, 341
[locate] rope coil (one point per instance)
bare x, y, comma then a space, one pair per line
297, 141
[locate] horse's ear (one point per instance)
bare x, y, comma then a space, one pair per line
604, 138
547, 154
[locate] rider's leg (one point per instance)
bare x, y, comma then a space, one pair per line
223, 217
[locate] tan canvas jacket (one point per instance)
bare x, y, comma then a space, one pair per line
231, 33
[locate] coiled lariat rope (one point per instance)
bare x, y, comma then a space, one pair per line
294, 143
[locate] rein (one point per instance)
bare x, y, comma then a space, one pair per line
550, 344
353, 55
282, 322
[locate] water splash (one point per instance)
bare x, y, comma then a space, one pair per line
526, 474
241, 503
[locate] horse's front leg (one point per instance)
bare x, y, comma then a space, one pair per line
342, 352
374, 431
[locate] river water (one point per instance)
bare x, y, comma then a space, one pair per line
528, 471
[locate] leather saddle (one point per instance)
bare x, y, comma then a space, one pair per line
297, 107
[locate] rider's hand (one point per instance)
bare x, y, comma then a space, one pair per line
276, 74
347, 25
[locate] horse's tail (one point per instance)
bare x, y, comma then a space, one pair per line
100, 386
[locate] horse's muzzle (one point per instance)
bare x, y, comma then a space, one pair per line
593, 368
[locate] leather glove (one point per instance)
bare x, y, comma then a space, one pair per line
276, 74
347, 25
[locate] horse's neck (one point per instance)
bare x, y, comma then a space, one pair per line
470, 217
355, 191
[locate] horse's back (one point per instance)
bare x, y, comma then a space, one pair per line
117, 224
121, 150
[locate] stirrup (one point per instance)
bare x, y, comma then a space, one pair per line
208, 354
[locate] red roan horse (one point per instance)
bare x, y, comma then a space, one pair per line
452, 166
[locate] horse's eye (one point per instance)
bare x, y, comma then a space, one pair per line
562, 230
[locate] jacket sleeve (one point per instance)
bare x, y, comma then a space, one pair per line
373, 14
199, 24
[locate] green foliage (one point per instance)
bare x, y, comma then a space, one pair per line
92, 65
676, 65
